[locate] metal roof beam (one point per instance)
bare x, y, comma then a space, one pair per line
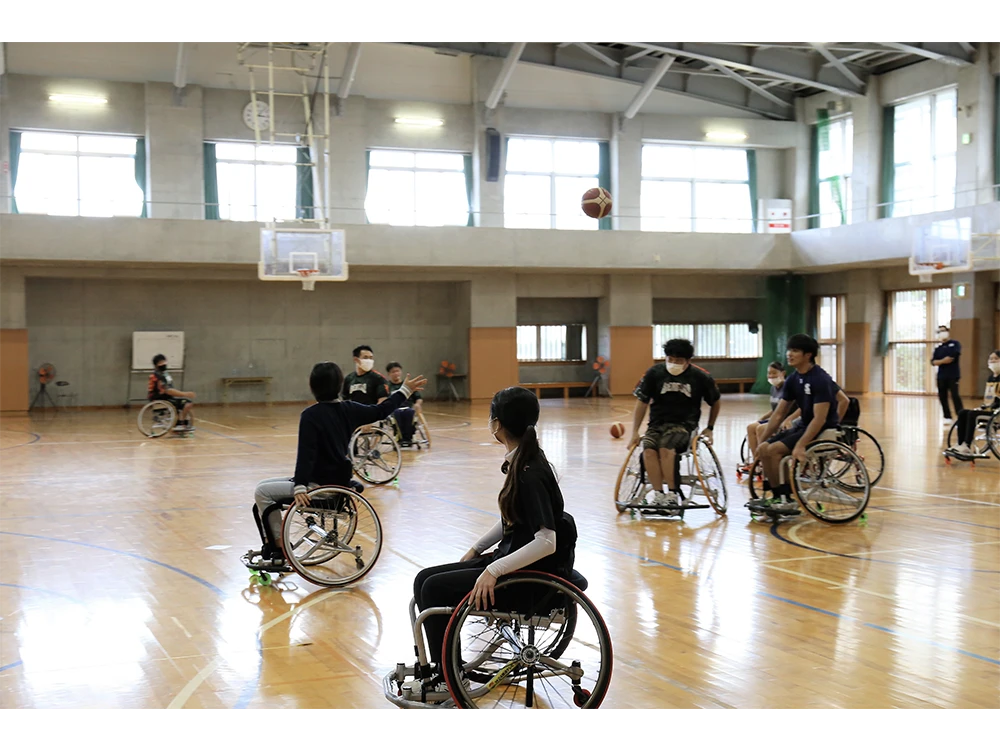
835, 61
350, 70
647, 87
505, 73
939, 52
754, 87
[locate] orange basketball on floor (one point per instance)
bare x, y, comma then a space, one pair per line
596, 203
617, 430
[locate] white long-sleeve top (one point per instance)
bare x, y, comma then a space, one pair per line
543, 545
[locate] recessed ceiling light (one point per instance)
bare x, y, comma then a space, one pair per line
726, 136
420, 122
77, 99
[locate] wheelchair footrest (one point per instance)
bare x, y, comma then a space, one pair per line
267, 566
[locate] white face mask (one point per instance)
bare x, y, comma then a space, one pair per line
775, 381
942, 335
995, 367
674, 369
366, 364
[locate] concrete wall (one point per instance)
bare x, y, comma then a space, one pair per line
559, 311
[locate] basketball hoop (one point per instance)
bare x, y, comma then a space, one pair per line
308, 278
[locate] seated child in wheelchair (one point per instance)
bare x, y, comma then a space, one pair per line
405, 415
675, 389
533, 531
776, 379
325, 430
968, 418
161, 388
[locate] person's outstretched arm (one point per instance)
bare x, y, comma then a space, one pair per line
361, 414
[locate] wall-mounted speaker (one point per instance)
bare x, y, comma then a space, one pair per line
753, 327
493, 155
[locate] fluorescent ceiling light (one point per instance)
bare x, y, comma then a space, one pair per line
77, 99
420, 122
726, 136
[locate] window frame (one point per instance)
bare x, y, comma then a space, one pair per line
847, 178
929, 341
415, 170
553, 175
294, 165
538, 344
658, 355
839, 340
925, 194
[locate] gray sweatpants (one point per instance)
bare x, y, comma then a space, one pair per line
269, 492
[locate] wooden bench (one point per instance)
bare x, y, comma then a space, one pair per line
537, 387
742, 382
263, 380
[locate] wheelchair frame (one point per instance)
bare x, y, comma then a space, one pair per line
154, 406
373, 454
983, 444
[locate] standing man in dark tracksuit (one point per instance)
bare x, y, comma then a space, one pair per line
946, 356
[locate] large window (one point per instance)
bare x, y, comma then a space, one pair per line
545, 180
552, 343
830, 330
63, 174
914, 316
711, 340
695, 189
836, 156
256, 183
417, 188
924, 144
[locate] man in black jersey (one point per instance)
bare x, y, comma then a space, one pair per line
365, 385
406, 415
675, 389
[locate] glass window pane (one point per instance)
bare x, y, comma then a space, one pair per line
668, 161
909, 315
238, 151
569, 213
441, 199
529, 155
281, 154
236, 191
390, 197
942, 307
848, 145
527, 343
742, 343
104, 144
829, 360
46, 184
665, 206
662, 333
47, 142
827, 315
720, 163
945, 176
440, 160
275, 192
577, 157
722, 207
527, 201
711, 341
391, 159
553, 343
946, 122
108, 186
908, 367
583, 343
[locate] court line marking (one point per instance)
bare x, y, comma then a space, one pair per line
202, 419
914, 493
878, 551
13, 664
21, 445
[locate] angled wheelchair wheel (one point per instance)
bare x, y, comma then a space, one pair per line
709, 471
375, 455
993, 434
869, 451
631, 480
832, 484
543, 645
157, 418
422, 436
333, 541
744, 452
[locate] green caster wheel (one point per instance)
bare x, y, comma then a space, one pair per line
864, 520
261, 578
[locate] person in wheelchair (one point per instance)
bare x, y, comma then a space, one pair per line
776, 379
365, 385
325, 430
812, 389
848, 412
533, 531
161, 388
968, 418
675, 389
405, 415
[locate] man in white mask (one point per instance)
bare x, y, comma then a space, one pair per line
365, 385
675, 389
946, 356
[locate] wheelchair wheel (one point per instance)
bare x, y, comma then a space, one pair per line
523, 652
709, 471
422, 436
157, 418
375, 455
993, 434
868, 450
832, 484
333, 541
757, 491
631, 480
744, 452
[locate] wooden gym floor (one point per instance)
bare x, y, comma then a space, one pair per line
121, 585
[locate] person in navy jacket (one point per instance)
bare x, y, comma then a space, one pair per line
946, 356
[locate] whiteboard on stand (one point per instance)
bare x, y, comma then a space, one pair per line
147, 344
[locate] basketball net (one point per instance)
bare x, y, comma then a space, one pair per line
308, 278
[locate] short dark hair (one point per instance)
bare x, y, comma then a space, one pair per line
776, 365
678, 348
325, 381
392, 366
158, 358
995, 351
803, 343
943, 327
362, 348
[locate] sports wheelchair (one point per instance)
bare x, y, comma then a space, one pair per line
985, 440
698, 468
157, 418
333, 541
421, 434
375, 452
543, 644
833, 484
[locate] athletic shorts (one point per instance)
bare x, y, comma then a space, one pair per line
670, 436
789, 437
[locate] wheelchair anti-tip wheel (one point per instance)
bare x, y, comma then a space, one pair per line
375, 455
157, 418
631, 480
543, 645
709, 471
993, 434
333, 541
832, 484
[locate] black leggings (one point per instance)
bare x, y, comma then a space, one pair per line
966, 429
946, 386
444, 586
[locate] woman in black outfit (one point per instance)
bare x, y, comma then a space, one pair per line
533, 530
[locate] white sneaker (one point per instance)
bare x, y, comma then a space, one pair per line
963, 450
658, 498
671, 498
946, 421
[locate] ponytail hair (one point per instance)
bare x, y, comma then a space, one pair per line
516, 409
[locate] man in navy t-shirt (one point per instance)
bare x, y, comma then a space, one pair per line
812, 390
946, 356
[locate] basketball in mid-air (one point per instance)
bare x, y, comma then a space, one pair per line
617, 430
596, 203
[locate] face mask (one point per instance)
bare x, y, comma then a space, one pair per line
161, 368
942, 335
494, 433
775, 381
366, 364
995, 368
674, 369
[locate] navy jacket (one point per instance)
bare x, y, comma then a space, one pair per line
949, 348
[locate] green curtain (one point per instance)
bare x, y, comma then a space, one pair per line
211, 183
15, 157
604, 177
140, 171
888, 187
814, 178
783, 314
368, 167
468, 188
304, 199
883, 341
752, 178
996, 138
